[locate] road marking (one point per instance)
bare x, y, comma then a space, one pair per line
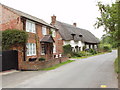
103, 86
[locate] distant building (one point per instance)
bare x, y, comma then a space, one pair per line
76, 37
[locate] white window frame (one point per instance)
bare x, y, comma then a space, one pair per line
30, 26
54, 48
31, 49
44, 30
42, 49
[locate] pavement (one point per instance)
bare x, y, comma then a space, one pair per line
92, 72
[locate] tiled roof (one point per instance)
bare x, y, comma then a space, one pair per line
47, 39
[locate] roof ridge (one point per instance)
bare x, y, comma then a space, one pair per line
72, 25
21, 13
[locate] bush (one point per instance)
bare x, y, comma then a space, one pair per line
75, 54
84, 47
92, 51
116, 65
67, 49
105, 48
41, 59
80, 54
13, 37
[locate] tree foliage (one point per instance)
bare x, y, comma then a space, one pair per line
12, 38
108, 20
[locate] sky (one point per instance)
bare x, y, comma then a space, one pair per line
82, 12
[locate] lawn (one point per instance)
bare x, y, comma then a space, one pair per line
58, 65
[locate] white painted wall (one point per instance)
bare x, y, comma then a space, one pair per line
74, 43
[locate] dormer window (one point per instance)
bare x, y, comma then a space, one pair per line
80, 35
73, 36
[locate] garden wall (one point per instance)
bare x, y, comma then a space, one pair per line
37, 65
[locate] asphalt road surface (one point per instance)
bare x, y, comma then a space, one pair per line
91, 72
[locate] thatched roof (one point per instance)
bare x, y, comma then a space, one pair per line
66, 30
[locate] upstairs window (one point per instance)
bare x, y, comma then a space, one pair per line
44, 31
30, 26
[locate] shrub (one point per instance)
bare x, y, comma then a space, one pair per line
116, 65
105, 48
13, 37
41, 59
92, 51
77, 54
67, 49
82, 53
84, 47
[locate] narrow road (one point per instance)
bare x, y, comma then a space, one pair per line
91, 72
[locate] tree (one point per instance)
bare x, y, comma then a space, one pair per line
109, 20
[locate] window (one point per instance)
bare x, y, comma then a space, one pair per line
53, 32
30, 26
42, 49
31, 49
54, 48
44, 31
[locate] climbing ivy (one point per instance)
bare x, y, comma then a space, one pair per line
13, 37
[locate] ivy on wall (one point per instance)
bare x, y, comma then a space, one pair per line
13, 37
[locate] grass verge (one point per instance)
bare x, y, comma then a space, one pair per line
117, 70
88, 56
58, 65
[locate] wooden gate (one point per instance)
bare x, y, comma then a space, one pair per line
9, 60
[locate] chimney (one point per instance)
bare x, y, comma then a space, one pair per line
75, 24
53, 19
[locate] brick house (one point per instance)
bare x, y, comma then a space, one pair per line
75, 36
43, 38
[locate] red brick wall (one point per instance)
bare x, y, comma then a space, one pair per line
10, 20
37, 65
58, 43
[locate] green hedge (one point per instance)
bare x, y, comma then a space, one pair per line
67, 49
13, 37
117, 66
105, 48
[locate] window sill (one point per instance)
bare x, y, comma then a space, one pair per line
31, 55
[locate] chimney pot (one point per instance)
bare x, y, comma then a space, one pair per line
75, 24
53, 19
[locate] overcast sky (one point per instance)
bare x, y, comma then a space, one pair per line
83, 12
